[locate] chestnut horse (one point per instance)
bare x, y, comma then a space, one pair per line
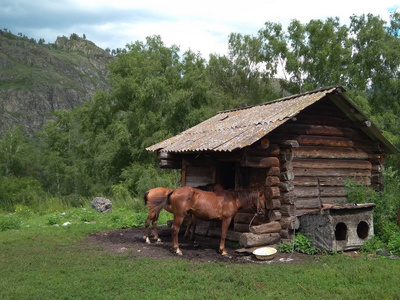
155, 200
219, 205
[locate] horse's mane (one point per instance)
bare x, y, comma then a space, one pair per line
246, 197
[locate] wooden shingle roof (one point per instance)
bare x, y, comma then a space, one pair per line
238, 128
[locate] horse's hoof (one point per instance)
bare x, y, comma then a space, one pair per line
179, 252
159, 241
148, 241
224, 252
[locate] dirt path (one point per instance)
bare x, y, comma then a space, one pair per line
205, 250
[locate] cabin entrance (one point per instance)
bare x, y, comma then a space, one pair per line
226, 174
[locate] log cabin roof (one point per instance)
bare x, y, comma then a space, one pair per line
238, 128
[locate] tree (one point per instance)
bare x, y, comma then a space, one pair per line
15, 153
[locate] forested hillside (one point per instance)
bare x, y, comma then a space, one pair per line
98, 147
38, 78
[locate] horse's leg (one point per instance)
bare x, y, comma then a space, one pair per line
187, 231
191, 228
175, 231
193, 233
155, 232
224, 230
147, 228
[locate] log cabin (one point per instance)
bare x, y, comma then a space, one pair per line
300, 150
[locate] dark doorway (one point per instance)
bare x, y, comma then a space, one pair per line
341, 231
226, 174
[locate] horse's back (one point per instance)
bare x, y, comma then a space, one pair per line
154, 197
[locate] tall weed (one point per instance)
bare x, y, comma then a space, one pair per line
10, 221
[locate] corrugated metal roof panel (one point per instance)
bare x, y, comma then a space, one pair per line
236, 129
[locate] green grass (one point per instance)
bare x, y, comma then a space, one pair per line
41, 261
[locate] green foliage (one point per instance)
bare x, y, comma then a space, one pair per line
358, 193
286, 247
372, 245
9, 222
20, 191
302, 244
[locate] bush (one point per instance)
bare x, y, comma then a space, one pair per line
9, 222
302, 244
372, 245
285, 247
20, 191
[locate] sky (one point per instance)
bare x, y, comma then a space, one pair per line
201, 26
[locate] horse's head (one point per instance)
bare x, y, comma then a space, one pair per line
261, 205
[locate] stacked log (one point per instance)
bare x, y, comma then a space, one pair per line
264, 161
377, 161
330, 152
286, 187
169, 160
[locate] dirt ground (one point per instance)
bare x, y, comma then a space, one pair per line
205, 249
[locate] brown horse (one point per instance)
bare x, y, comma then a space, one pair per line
155, 200
219, 205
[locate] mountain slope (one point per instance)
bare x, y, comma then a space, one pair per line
36, 79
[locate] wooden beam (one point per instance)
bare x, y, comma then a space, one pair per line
331, 172
329, 152
249, 239
272, 227
260, 162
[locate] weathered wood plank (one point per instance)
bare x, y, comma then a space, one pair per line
287, 210
271, 192
333, 200
274, 171
272, 227
272, 181
286, 186
170, 164
332, 163
330, 172
241, 227
246, 218
286, 175
272, 150
288, 143
329, 152
308, 203
249, 239
288, 198
329, 181
273, 203
311, 129
305, 191
260, 162
274, 215
291, 222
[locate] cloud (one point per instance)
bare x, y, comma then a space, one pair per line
202, 27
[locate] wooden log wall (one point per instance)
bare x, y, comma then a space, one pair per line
306, 163
263, 161
331, 150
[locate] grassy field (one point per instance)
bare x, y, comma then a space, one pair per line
41, 261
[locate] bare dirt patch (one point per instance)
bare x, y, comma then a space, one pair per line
130, 241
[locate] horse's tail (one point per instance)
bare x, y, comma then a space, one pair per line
169, 196
157, 203
145, 197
